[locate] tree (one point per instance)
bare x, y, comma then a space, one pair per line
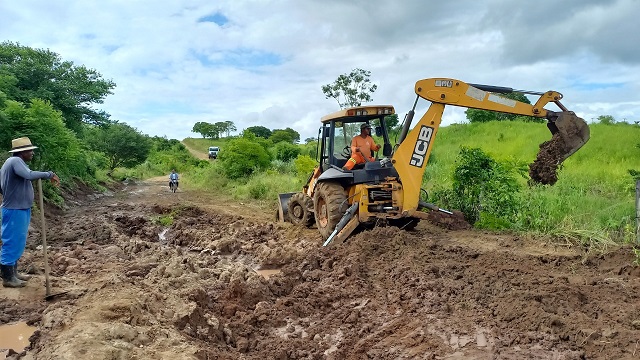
27, 74
123, 145
202, 128
288, 135
391, 121
58, 147
260, 131
351, 89
606, 119
480, 116
230, 127
286, 151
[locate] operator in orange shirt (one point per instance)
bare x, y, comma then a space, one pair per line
361, 146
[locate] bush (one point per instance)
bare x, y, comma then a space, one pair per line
241, 157
484, 190
286, 151
304, 165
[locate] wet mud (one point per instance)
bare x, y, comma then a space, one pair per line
544, 169
441, 291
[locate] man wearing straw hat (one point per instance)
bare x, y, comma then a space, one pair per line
17, 199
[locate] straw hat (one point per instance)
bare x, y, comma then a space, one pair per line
21, 144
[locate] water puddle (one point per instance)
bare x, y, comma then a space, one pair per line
15, 336
163, 236
266, 273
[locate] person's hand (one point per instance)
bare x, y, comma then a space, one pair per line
55, 180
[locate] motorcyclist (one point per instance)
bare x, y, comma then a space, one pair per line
173, 177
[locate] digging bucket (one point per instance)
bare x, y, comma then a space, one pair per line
572, 129
283, 202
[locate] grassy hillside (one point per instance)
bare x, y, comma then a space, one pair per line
594, 198
202, 145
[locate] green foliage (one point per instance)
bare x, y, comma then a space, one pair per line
484, 190
310, 149
122, 144
288, 135
351, 89
286, 151
241, 157
391, 122
27, 74
606, 119
163, 220
58, 148
482, 116
304, 165
265, 143
214, 131
259, 131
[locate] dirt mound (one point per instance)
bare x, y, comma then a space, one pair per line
456, 221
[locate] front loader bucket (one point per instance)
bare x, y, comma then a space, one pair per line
283, 203
573, 131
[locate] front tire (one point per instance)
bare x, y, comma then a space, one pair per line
300, 209
329, 204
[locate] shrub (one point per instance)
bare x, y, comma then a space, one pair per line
483, 189
241, 157
286, 151
304, 165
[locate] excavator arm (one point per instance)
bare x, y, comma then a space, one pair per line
412, 155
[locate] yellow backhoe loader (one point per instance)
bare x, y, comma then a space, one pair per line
388, 189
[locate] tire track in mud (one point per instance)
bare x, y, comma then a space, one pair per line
143, 287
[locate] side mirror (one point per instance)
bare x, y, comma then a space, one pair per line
387, 150
378, 131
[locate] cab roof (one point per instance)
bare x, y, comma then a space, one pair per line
359, 113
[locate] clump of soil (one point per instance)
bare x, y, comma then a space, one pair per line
456, 221
544, 169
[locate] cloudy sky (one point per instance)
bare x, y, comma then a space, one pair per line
263, 62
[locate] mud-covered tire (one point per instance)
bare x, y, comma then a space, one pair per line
329, 204
300, 210
408, 223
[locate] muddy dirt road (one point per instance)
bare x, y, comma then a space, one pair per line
157, 275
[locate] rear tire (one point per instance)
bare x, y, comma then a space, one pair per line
329, 204
300, 209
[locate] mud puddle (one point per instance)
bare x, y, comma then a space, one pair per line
15, 336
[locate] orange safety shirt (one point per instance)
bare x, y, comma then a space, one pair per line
365, 144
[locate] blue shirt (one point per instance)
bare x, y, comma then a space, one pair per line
15, 182
173, 176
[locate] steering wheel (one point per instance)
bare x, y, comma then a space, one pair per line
346, 152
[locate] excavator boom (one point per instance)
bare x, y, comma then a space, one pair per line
569, 131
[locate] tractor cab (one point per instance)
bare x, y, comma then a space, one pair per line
335, 135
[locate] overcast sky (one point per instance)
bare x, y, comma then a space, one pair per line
263, 62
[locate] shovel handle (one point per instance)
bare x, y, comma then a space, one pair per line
44, 239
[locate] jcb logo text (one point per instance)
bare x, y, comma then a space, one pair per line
422, 145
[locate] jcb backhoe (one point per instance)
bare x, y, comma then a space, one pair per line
388, 190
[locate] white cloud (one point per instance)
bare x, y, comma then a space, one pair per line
266, 64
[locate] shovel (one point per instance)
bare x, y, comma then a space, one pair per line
48, 296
